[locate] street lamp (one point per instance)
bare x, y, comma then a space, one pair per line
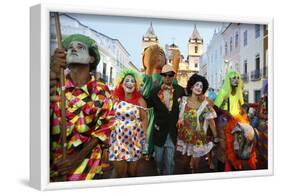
226, 64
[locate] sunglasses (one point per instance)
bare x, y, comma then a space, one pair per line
168, 74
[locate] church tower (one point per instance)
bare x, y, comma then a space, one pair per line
195, 49
149, 38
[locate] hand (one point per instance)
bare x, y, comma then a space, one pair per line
216, 140
179, 124
71, 162
66, 166
105, 155
176, 59
58, 61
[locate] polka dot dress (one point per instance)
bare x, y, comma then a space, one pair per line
127, 137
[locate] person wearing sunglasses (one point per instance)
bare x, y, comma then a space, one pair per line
153, 60
165, 102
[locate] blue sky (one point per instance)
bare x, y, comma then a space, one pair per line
130, 30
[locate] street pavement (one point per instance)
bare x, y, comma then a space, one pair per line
148, 167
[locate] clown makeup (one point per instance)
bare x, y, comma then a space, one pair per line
129, 84
197, 88
234, 81
78, 52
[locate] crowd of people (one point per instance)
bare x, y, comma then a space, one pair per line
149, 116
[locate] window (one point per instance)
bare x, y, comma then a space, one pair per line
110, 75
257, 30
245, 40
257, 95
146, 39
236, 66
245, 67
230, 44
196, 49
104, 69
216, 55
257, 63
196, 65
236, 39
225, 48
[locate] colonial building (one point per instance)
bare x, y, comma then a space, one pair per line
114, 56
183, 71
242, 47
149, 38
231, 37
252, 62
203, 66
192, 63
188, 65
214, 60
195, 49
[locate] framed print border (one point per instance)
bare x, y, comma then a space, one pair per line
39, 96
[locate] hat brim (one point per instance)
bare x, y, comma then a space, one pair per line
163, 73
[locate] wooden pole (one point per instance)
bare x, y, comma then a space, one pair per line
62, 83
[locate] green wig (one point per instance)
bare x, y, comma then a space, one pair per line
92, 46
226, 88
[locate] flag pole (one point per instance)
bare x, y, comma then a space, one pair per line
62, 84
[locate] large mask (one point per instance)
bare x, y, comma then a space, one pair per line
244, 138
78, 52
129, 84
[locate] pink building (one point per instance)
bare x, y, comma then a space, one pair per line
231, 46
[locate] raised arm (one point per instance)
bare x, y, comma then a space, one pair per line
143, 113
176, 60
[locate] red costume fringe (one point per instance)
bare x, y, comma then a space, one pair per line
230, 155
120, 94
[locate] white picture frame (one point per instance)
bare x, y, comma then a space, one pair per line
39, 102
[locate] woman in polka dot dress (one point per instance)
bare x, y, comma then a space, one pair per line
128, 136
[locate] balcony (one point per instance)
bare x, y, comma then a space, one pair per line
245, 77
256, 75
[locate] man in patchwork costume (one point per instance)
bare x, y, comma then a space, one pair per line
89, 115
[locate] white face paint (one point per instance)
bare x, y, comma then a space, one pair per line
197, 88
129, 84
234, 81
78, 52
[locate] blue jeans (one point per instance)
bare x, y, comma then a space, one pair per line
164, 157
